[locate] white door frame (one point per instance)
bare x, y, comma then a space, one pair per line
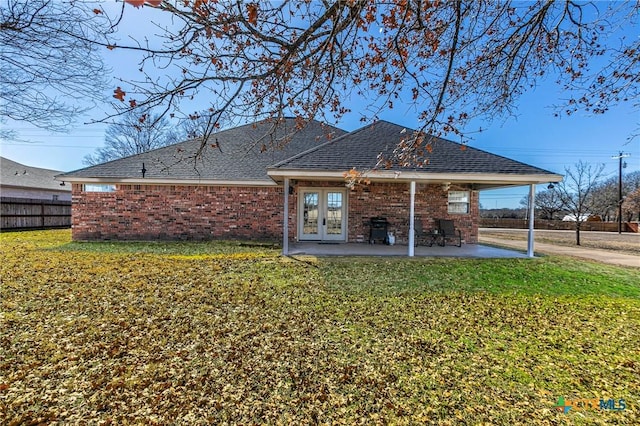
322, 214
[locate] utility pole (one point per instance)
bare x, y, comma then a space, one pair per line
619, 157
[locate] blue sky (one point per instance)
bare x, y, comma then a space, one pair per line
533, 136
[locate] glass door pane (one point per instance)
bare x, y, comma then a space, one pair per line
334, 213
322, 215
310, 213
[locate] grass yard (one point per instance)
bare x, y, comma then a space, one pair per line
215, 333
626, 242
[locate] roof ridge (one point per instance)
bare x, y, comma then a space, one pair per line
239, 156
195, 139
356, 149
298, 155
26, 166
315, 148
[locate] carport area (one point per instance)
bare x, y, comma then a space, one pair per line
477, 251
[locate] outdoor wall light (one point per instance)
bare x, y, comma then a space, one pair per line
62, 183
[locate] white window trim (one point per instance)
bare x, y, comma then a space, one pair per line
460, 199
97, 187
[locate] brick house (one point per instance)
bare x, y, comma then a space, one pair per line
246, 182
21, 181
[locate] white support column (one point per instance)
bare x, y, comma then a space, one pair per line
285, 221
532, 199
412, 199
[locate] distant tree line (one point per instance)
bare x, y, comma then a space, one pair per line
582, 195
605, 198
504, 213
600, 201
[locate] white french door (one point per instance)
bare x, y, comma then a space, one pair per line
322, 214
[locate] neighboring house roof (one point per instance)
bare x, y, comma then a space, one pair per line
241, 154
572, 217
21, 176
447, 160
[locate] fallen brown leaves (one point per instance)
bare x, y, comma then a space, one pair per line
250, 337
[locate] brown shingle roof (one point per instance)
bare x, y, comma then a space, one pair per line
19, 175
360, 149
237, 156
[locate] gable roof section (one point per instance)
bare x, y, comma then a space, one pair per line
21, 176
233, 155
360, 150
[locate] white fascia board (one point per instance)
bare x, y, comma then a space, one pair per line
388, 175
181, 182
61, 190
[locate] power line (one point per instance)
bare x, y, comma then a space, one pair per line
40, 145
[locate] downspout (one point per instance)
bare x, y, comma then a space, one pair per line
285, 223
412, 199
532, 199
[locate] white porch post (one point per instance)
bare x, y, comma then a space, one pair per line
532, 199
412, 199
285, 221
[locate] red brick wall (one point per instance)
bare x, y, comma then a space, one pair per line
163, 212
391, 200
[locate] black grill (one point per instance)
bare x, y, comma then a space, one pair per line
378, 229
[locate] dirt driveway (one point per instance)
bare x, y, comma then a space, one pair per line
607, 247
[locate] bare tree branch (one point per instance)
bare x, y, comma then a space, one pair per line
134, 135
50, 67
447, 62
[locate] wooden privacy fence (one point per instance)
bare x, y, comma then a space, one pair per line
26, 213
556, 224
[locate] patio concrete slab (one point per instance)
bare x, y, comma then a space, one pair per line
363, 249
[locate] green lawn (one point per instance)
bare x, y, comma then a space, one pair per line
209, 333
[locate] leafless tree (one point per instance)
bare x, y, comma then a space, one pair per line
576, 191
605, 199
631, 206
548, 203
448, 62
445, 62
631, 196
134, 135
605, 194
50, 66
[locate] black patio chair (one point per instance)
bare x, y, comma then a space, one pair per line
427, 238
449, 232
418, 232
